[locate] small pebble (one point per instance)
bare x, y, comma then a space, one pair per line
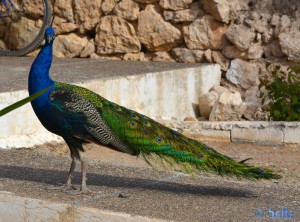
122, 196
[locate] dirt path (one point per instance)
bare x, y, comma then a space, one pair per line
123, 183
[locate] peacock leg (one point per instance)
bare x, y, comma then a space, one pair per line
83, 176
83, 188
69, 186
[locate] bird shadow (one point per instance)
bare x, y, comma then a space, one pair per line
54, 177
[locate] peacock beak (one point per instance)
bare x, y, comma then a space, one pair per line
49, 38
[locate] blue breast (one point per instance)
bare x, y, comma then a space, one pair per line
39, 79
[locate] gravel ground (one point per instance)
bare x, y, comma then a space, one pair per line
123, 183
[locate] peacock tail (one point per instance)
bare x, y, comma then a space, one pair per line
92, 118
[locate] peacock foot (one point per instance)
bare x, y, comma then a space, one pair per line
76, 192
63, 187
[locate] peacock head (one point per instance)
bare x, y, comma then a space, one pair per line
49, 34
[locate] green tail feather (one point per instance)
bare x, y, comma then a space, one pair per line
148, 138
224, 165
215, 163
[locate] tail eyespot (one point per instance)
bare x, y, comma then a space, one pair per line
132, 125
134, 116
207, 148
261, 171
202, 156
158, 139
118, 108
147, 123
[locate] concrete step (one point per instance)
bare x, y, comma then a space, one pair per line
20, 209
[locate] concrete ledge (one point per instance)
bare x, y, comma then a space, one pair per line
20, 209
291, 134
244, 131
266, 135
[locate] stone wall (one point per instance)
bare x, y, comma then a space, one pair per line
179, 30
240, 35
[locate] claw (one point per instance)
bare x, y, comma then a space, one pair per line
77, 192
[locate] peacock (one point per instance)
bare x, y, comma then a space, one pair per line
81, 116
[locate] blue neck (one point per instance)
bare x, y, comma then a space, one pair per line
39, 77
